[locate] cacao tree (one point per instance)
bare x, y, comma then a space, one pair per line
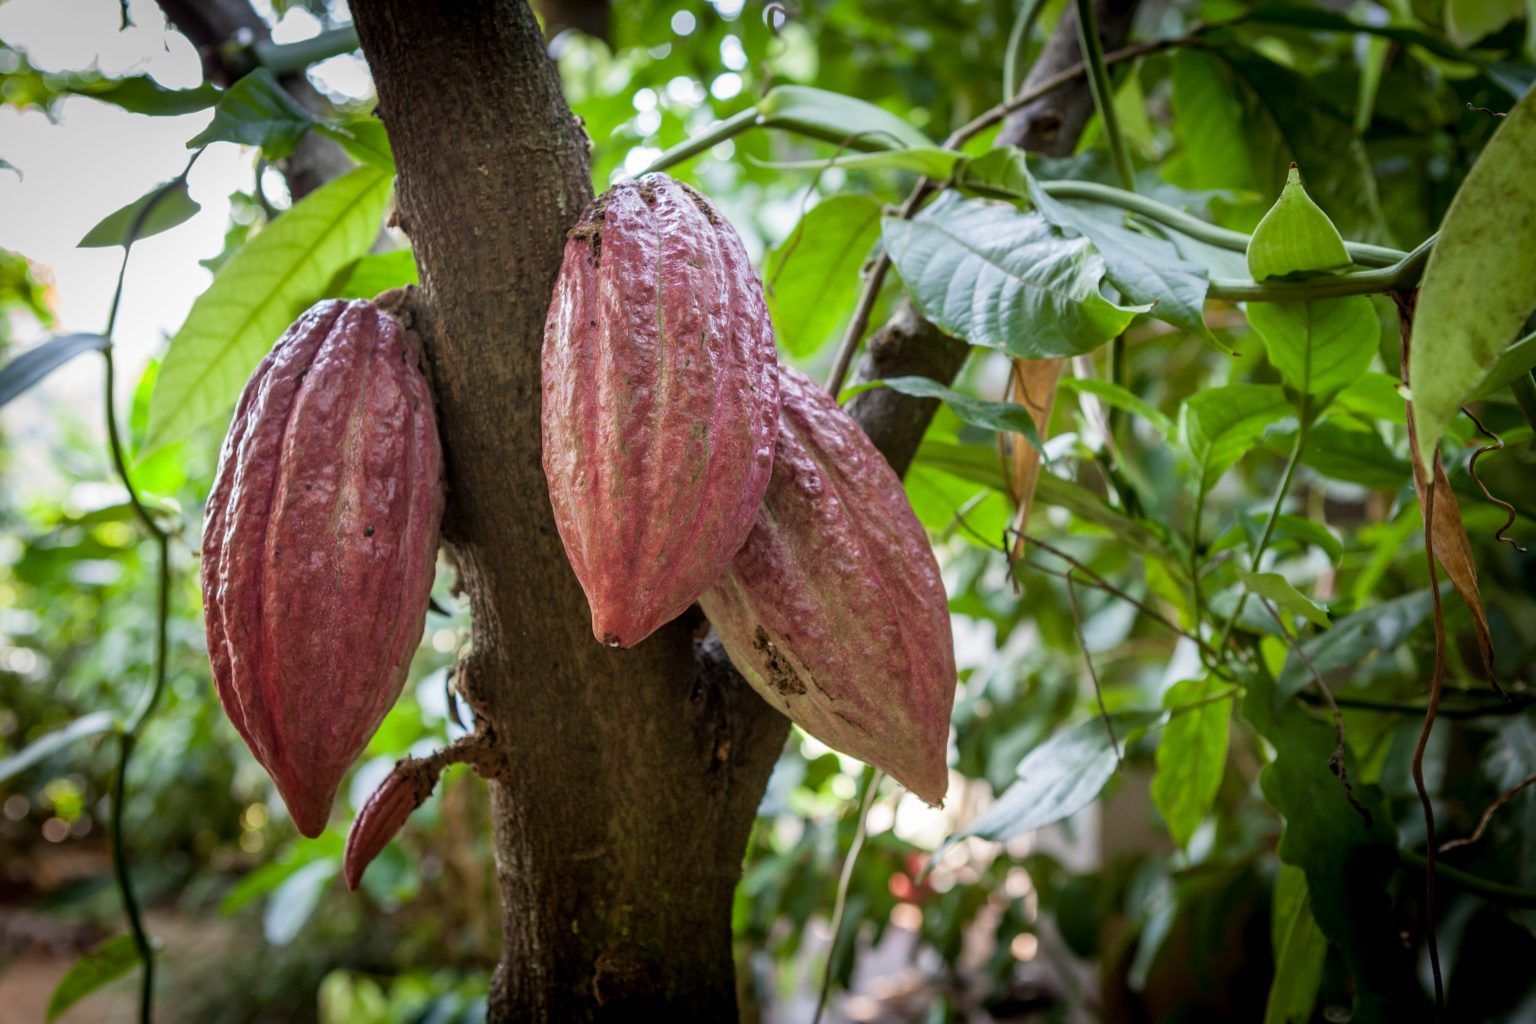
1186, 336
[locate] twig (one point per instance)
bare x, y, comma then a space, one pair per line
1436, 685
1493, 808
1336, 759
1098, 690
1501, 707
1510, 511
843, 882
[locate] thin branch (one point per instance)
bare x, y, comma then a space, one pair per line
1493, 808
843, 882
1510, 512
1098, 689
1498, 708
1099, 86
1498, 892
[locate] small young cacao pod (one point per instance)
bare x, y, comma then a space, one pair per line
834, 610
383, 815
660, 402
319, 544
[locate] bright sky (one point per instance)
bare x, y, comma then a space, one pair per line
96, 158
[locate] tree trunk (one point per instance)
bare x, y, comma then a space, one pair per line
627, 781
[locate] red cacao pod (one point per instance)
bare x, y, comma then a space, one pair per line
401, 792
834, 610
660, 403
319, 544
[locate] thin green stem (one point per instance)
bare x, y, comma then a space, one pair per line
1103, 91
1391, 707
1498, 892
1281, 492
840, 906
1018, 46
1192, 226
711, 136
292, 58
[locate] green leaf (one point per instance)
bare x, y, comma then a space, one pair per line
293, 903
930, 161
812, 279
975, 462
1318, 346
257, 294
1122, 398
160, 209
1480, 284
835, 117
1467, 21
141, 94
1191, 756
257, 111
947, 503
1056, 779
364, 139
1348, 863
1299, 949
1295, 237
995, 276
104, 964
1005, 417
1210, 124
1146, 270
84, 727
368, 275
266, 878
1382, 627
1279, 591
1220, 425
1088, 508
26, 370
1516, 361
1357, 455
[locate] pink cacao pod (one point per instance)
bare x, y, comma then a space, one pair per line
834, 610
660, 403
384, 814
319, 544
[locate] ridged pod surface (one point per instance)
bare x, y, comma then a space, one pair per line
319, 543
382, 817
835, 610
660, 402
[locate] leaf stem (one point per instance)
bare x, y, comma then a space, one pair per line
1498, 892
1018, 46
1103, 92
840, 906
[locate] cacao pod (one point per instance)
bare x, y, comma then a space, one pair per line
319, 544
383, 815
660, 403
835, 610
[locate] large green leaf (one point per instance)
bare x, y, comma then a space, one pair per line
1210, 124
160, 209
1057, 779
1319, 346
1480, 284
257, 294
835, 117
1191, 756
1517, 360
1147, 270
1348, 860
1381, 627
1220, 425
812, 279
996, 276
1299, 948
293, 902
100, 966
26, 370
368, 275
257, 111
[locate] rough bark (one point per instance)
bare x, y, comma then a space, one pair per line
907, 344
626, 781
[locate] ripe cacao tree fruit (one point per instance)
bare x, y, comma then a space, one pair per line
319, 543
834, 610
660, 402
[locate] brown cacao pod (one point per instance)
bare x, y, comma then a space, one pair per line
660, 403
319, 544
834, 610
